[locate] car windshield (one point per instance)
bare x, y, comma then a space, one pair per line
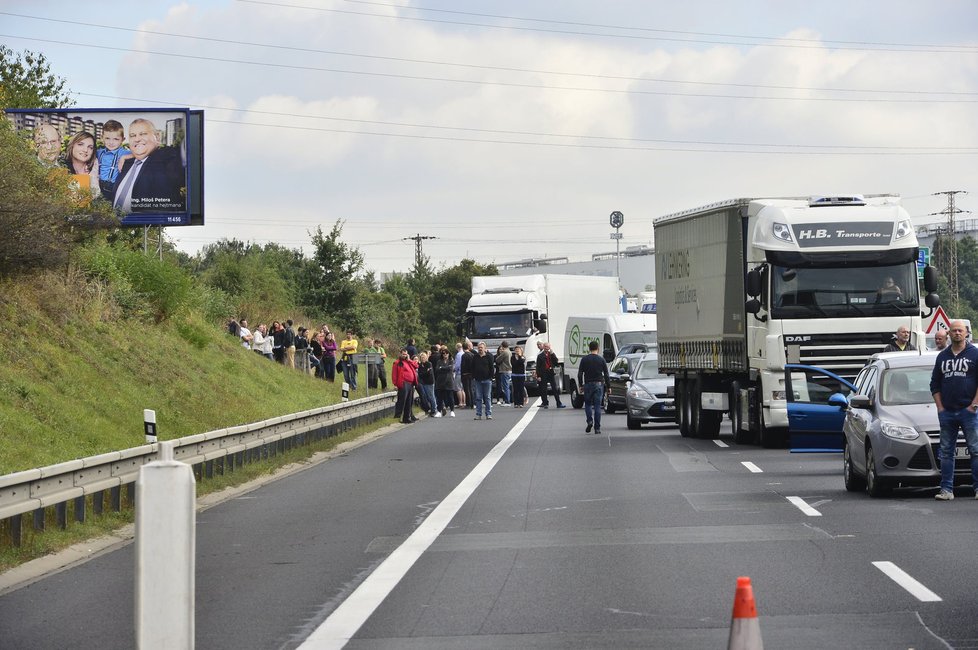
648, 370
906, 386
648, 338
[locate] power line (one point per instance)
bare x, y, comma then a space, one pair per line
937, 49
526, 133
482, 82
644, 29
306, 50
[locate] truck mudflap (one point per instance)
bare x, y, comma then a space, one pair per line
817, 400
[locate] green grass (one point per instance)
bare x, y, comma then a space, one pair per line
80, 389
75, 376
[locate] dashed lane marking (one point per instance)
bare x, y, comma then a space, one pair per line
752, 467
799, 503
908, 582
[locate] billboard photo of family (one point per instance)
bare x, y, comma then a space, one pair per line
136, 159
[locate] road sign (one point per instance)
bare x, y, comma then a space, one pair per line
923, 259
616, 235
938, 321
617, 219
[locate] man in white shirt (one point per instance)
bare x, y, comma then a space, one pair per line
245, 334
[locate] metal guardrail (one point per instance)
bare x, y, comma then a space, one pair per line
90, 479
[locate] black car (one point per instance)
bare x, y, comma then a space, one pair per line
620, 372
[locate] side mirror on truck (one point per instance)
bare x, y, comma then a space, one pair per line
540, 326
930, 279
754, 283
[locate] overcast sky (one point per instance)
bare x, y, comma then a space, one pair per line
508, 130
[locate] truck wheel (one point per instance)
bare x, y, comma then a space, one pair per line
709, 421
682, 396
693, 394
577, 400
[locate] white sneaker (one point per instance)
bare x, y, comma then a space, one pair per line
451, 414
944, 495
438, 414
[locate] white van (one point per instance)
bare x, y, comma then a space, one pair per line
612, 331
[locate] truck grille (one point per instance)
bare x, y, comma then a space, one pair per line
843, 354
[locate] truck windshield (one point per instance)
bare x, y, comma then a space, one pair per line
853, 291
496, 326
627, 338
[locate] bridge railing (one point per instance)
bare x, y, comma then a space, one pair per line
113, 475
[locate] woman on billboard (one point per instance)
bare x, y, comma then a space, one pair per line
81, 161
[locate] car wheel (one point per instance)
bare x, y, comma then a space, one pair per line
633, 424
577, 400
876, 486
853, 482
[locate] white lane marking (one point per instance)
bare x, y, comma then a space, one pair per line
799, 503
349, 617
720, 443
905, 580
752, 467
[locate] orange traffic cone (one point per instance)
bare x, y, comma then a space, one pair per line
745, 631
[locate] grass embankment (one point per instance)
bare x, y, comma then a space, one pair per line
78, 387
75, 377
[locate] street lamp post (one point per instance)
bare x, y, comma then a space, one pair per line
617, 220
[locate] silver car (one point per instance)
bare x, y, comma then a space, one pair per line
892, 435
649, 395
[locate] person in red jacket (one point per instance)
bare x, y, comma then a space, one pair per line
404, 374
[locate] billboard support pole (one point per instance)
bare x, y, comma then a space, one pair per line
159, 246
145, 240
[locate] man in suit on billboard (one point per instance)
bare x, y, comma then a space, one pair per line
152, 180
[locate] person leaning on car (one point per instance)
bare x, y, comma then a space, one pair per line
954, 385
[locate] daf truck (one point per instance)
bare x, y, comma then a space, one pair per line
750, 285
526, 309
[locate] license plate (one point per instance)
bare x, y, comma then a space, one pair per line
962, 452
670, 408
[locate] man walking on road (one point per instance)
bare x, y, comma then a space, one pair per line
954, 385
594, 382
546, 376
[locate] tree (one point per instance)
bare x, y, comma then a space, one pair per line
329, 285
445, 300
26, 82
41, 217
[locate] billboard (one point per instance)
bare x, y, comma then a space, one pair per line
147, 162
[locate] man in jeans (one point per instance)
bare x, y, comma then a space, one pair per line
483, 370
954, 385
594, 382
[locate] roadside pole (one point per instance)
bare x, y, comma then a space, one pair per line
165, 553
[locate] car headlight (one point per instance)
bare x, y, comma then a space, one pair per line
637, 392
899, 431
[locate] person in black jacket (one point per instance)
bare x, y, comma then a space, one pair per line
445, 384
426, 383
483, 370
594, 382
466, 368
519, 377
546, 376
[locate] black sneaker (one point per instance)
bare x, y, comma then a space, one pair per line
597, 432
588, 429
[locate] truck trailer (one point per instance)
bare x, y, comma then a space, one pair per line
526, 309
752, 284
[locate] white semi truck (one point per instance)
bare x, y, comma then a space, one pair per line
750, 285
525, 309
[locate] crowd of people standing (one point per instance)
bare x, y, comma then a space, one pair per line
440, 379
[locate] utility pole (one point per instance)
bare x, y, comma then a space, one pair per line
949, 256
417, 247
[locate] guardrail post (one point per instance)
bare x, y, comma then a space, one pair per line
165, 554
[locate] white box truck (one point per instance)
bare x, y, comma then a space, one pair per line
750, 285
525, 309
612, 332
